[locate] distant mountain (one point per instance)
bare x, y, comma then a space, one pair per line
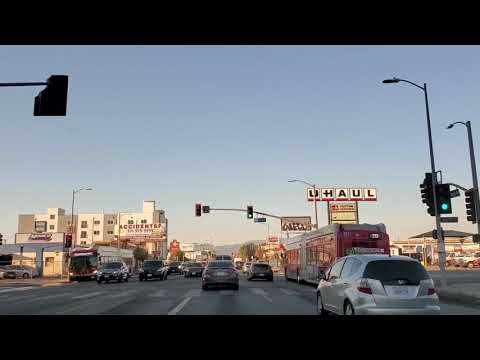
233, 248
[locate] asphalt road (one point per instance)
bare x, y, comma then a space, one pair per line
457, 276
175, 296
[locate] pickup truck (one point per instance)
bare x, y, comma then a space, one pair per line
469, 260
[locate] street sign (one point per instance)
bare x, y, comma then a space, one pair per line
343, 213
454, 193
449, 219
260, 220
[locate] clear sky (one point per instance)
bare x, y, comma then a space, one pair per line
229, 125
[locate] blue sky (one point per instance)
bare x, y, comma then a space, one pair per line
229, 125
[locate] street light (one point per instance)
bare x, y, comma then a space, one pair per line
314, 198
473, 166
73, 203
441, 243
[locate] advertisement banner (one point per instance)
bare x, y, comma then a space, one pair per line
344, 213
142, 230
296, 223
26, 238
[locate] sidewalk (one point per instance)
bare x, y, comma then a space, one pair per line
40, 282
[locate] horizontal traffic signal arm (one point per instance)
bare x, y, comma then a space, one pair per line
244, 210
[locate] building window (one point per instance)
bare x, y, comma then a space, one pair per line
83, 243
97, 222
96, 232
144, 221
52, 227
52, 217
130, 222
110, 232
83, 234
84, 225
110, 222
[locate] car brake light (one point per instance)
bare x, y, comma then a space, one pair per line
431, 291
364, 287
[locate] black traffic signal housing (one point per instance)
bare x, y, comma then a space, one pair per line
426, 190
52, 101
198, 209
1, 239
249, 212
68, 241
470, 205
206, 209
444, 201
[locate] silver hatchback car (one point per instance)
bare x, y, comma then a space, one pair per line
377, 285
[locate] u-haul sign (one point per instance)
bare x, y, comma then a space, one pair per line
342, 194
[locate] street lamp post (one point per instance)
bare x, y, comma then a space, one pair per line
314, 198
441, 242
73, 204
473, 166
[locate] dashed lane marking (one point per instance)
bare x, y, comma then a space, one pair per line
180, 306
159, 293
262, 293
15, 289
289, 292
193, 292
86, 296
124, 294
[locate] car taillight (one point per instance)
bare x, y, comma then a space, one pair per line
364, 287
431, 291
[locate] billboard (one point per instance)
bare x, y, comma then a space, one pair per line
342, 194
345, 213
26, 238
131, 230
296, 223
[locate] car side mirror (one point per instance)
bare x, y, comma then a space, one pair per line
322, 276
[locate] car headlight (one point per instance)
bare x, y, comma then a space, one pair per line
99, 273
95, 271
71, 274
115, 273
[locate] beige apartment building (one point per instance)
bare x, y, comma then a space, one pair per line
125, 229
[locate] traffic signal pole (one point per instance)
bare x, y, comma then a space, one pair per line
441, 242
474, 174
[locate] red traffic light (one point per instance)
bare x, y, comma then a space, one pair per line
198, 209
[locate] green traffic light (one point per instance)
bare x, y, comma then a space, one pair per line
444, 206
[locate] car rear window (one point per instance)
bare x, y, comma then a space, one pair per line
220, 264
261, 267
395, 272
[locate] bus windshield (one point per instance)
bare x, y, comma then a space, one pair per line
81, 262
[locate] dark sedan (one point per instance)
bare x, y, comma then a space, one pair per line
153, 269
260, 271
173, 268
220, 274
193, 269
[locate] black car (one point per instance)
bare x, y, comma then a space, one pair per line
153, 269
173, 268
115, 270
260, 271
193, 269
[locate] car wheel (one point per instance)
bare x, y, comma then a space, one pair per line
320, 309
25, 276
348, 309
126, 279
236, 287
204, 287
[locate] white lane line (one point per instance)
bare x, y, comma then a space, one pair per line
123, 293
289, 292
50, 297
179, 306
159, 293
227, 292
15, 289
88, 295
193, 292
262, 293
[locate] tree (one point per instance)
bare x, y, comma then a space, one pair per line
259, 253
246, 251
140, 254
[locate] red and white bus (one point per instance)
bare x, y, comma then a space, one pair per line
309, 254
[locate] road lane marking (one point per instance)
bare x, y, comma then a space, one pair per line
262, 293
15, 289
50, 297
289, 292
88, 295
179, 306
193, 292
124, 293
159, 293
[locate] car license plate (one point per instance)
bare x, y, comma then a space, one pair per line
399, 290
149, 275
262, 274
221, 273
193, 273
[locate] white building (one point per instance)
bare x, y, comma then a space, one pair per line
147, 228
194, 251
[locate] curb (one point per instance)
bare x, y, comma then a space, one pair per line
463, 297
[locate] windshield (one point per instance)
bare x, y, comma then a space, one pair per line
152, 264
194, 265
79, 262
220, 264
396, 272
114, 265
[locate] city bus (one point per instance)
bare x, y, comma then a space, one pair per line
310, 254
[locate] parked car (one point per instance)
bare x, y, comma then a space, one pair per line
182, 266
19, 271
193, 269
246, 266
115, 270
377, 284
220, 273
173, 268
260, 271
469, 260
153, 269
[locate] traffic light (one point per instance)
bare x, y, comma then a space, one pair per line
249, 212
206, 209
444, 201
426, 190
198, 209
470, 205
52, 101
1, 239
68, 241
